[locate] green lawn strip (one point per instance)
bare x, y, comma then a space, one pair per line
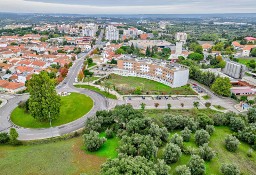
245, 61
108, 149
108, 95
91, 65
127, 85
52, 158
206, 97
219, 107
70, 110
90, 79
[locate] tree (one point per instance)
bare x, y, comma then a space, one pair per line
206, 152
44, 102
182, 105
204, 120
244, 98
253, 52
207, 104
142, 106
201, 137
182, 170
4, 138
156, 105
177, 139
172, 153
92, 141
196, 165
80, 76
251, 115
13, 136
134, 165
186, 133
63, 71
231, 143
196, 57
109, 133
236, 124
210, 129
229, 169
169, 106
148, 53
222, 86
196, 104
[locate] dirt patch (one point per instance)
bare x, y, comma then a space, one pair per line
89, 164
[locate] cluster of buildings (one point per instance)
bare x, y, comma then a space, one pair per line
244, 50
111, 33
170, 74
23, 56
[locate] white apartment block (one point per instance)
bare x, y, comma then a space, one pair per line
112, 33
90, 30
173, 75
181, 36
234, 70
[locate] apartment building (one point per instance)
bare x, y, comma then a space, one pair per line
173, 75
90, 30
112, 33
234, 70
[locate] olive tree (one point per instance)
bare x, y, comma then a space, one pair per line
177, 139
92, 141
201, 137
206, 152
186, 134
196, 165
210, 129
182, 170
231, 143
229, 169
172, 153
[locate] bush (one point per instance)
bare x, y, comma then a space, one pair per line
206, 152
204, 120
13, 136
251, 115
172, 153
92, 141
177, 139
231, 143
109, 133
248, 134
4, 138
236, 124
229, 169
186, 133
201, 137
182, 170
220, 120
210, 129
196, 165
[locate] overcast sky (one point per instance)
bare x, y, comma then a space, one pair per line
129, 6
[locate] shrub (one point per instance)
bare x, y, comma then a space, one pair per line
231, 143
109, 133
220, 120
177, 139
172, 153
236, 124
14, 136
201, 137
4, 138
206, 152
251, 115
210, 129
229, 169
207, 104
186, 133
92, 141
182, 170
196, 165
248, 134
204, 120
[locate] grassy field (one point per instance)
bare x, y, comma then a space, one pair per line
63, 157
127, 85
90, 79
70, 110
97, 90
245, 61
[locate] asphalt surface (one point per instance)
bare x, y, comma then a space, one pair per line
100, 103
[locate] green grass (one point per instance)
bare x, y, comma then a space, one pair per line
63, 157
206, 97
245, 61
91, 65
91, 79
97, 90
219, 107
70, 110
108, 149
127, 85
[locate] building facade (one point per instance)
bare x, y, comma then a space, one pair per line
172, 75
181, 36
112, 33
234, 70
90, 30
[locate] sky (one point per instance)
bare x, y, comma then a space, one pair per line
128, 6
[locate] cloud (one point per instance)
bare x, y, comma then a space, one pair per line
128, 6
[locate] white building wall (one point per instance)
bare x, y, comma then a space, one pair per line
180, 78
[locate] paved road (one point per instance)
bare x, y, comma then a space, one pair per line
100, 103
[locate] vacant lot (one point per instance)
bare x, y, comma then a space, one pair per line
70, 110
135, 85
